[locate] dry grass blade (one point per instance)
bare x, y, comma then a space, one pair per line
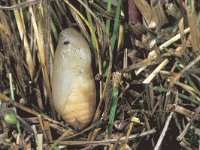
21, 5
145, 10
159, 17
194, 21
80, 23
180, 110
40, 44
23, 36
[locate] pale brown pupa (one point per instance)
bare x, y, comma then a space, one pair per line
73, 86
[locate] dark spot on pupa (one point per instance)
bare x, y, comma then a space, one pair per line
66, 43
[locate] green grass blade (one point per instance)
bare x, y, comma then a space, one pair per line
115, 92
109, 4
54, 30
89, 18
160, 89
12, 97
116, 24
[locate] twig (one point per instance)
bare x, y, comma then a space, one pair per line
66, 133
164, 45
196, 114
149, 95
169, 42
42, 127
186, 145
162, 135
155, 72
108, 141
134, 121
138, 65
181, 110
192, 63
25, 124
6, 99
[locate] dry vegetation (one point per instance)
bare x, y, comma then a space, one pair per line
145, 61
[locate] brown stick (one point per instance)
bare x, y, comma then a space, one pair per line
108, 141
